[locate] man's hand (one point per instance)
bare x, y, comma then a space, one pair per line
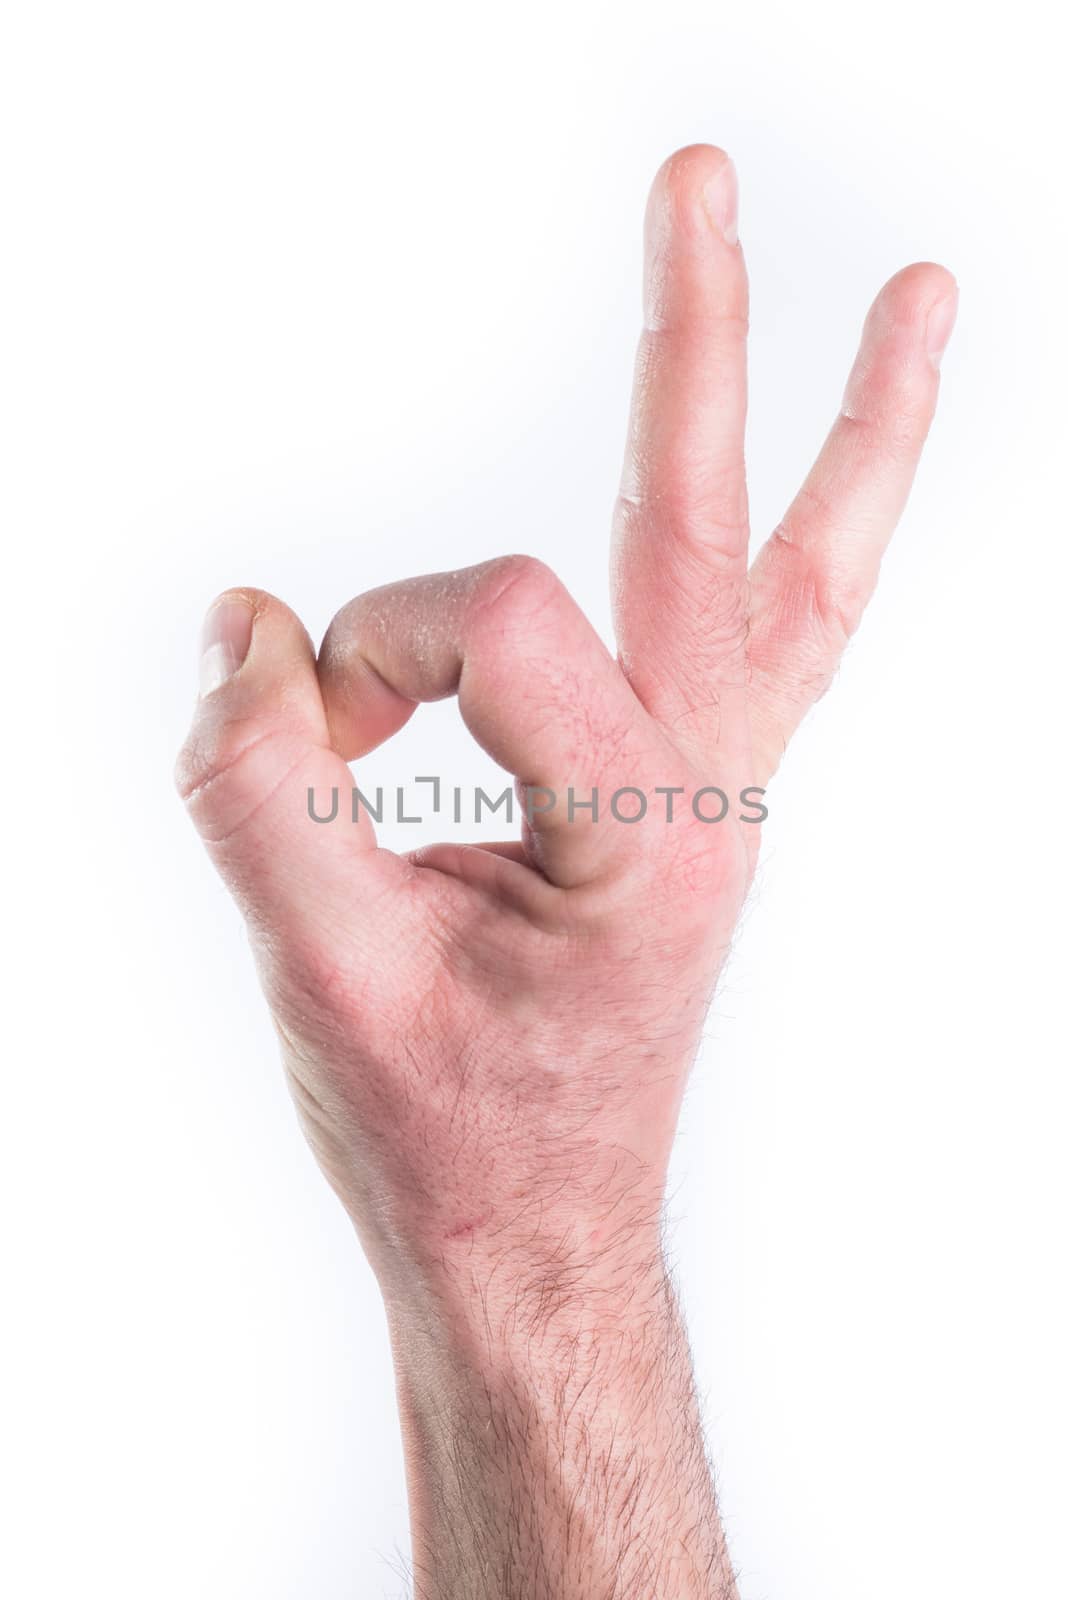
488, 1044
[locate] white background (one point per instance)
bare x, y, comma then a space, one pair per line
313, 296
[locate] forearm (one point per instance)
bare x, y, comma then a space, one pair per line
554, 1446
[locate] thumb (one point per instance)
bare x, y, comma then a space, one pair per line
258, 743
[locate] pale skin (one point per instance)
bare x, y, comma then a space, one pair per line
488, 1044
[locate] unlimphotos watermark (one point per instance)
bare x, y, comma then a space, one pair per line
628, 804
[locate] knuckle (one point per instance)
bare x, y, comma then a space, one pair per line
701, 514
837, 608
512, 591
227, 772
516, 577
705, 873
890, 418
819, 593
211, 749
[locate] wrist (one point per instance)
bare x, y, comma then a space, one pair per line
543, 1311
571, 1429
546, 1276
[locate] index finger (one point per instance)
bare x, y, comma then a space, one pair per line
536, 686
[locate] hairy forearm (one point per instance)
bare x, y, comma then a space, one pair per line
554, 1446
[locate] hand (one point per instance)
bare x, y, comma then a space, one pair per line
488, 1044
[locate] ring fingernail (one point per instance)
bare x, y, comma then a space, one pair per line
940, 320
720, 196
